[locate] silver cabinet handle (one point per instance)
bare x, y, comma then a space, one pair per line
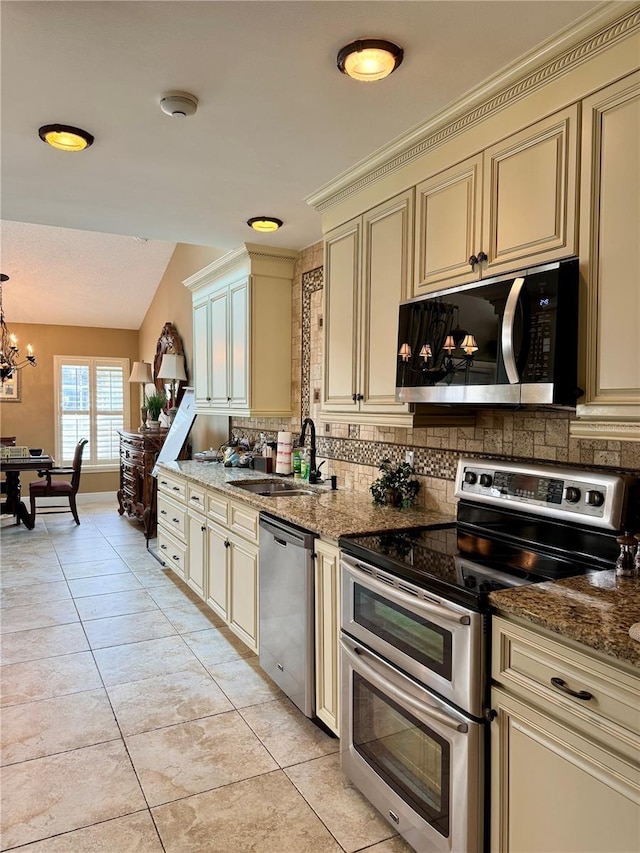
508, 327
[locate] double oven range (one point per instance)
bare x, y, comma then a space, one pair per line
415, 636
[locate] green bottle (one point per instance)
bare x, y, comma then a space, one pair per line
296, 464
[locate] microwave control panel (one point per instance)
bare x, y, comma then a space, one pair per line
561, 493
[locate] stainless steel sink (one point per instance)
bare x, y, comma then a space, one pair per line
274, 489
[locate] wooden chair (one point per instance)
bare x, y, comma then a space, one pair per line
59, 488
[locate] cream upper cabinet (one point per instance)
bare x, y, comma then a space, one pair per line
610, 263
367, 275
565, 747
512, 205
529, 194
242, 333
448, 220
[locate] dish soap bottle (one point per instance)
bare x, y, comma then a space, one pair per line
296, 464
304, 465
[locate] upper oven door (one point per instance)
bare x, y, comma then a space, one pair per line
439, 643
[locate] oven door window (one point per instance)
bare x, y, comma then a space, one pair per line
419, 639
413, 760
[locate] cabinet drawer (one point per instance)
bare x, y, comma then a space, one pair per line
173, 486
196, 497
525, 662
172, 552
218, 507
172, 516
243, 520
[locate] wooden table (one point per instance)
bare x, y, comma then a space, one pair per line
12, 468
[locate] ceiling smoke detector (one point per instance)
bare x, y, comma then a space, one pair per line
178, 104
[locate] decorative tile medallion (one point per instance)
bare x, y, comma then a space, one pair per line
312, 281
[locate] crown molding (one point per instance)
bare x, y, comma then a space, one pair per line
571, 47
237, 258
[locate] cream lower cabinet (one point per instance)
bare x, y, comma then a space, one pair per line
512, 205
327, 629
232, 585
610, 264
367, 275
242, 333
211, 542
565, 771
173, 523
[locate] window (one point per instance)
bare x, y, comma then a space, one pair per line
90, 403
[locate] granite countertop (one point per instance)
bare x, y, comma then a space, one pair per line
596, 609
329, 513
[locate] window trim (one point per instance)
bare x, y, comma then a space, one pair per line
91, 362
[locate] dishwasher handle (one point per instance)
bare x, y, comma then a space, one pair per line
286, 534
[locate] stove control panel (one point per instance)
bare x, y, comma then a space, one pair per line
588, 497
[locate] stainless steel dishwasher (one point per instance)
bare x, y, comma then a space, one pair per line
286, 609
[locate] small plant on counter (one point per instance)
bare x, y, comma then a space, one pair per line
396, 486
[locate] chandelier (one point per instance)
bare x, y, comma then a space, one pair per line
9, 350
442, 350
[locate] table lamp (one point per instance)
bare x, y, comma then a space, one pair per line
141, 372
172, 368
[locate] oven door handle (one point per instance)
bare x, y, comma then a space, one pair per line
412, 600
424, 709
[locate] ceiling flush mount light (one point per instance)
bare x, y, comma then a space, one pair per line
369, 59
178, 104
264, 224
64, 137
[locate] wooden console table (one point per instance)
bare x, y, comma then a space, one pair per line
138, 451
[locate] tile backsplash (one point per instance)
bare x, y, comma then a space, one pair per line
352, 452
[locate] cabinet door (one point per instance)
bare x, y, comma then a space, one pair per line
219, 352
201, 349
529, 188
610, 261
217, 570
327, 629
239, 345
195, 575
342, 261
243, 590
387, 248
448, 223
552, 790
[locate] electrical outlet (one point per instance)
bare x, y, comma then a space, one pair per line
327, 428
316, 395
408, 457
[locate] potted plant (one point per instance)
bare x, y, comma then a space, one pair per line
155, 404
396, 486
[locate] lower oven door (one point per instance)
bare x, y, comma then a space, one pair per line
440, 643
418, 761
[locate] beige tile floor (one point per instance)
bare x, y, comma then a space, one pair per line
133, 721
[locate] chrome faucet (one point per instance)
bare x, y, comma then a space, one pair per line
313, 471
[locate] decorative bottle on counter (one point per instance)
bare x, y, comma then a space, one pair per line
625, 564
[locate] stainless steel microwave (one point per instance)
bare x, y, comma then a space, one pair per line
511, 339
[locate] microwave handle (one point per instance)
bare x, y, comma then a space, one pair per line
508, 327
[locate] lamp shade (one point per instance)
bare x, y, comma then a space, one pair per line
405, 352
141, 372
172, 367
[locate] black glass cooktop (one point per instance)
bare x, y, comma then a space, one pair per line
467, 562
